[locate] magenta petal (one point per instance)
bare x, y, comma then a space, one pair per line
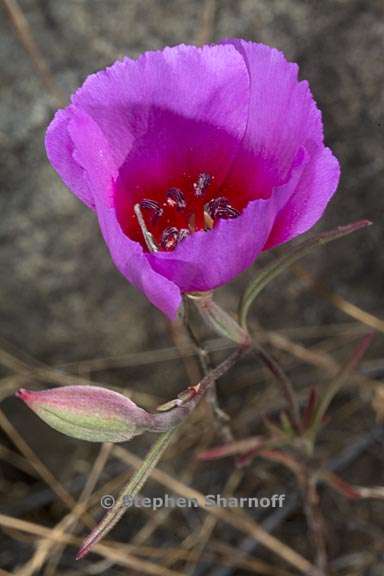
282, 112
317, 184
92, 153
285, 127
60, 151
206, 260
209, 84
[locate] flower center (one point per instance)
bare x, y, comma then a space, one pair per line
167, 221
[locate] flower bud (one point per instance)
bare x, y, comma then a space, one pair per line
88, 412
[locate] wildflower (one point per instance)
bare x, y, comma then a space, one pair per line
195, 160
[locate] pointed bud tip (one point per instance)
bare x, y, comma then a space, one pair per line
81, 553
23, 394
365, 223
87, 544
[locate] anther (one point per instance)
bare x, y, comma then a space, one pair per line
203, 181
183, 233
169, 238
221, 208
152, 206
176, 199
227, 213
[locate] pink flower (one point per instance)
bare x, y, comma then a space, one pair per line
219, 149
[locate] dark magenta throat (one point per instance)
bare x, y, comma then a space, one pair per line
168, 220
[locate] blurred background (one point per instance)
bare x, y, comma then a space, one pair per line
68, 316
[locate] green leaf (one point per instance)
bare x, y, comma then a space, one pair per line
290, 257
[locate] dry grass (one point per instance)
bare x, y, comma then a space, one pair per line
41, 538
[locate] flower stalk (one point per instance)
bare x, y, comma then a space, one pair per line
154, 455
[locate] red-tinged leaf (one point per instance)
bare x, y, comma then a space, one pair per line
234, 448
310, 407
342, 486
245, 459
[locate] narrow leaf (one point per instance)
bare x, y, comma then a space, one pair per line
132, 489
234, 448
289, 258
335, 385
341, 486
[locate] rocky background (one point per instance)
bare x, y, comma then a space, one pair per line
62, 301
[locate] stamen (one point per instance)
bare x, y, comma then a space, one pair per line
221, 208
176, 199
215, 204
152, 246
208, 221
173, 216
183, 233
169, 238
152, 206
228, 212
203, 181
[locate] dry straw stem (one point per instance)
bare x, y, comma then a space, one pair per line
238, 520
376, 492
335, 384
123, 554
236, 557
44, 548
341, 303
200, 540
25, 35
40, 468
122, 557
25, 373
